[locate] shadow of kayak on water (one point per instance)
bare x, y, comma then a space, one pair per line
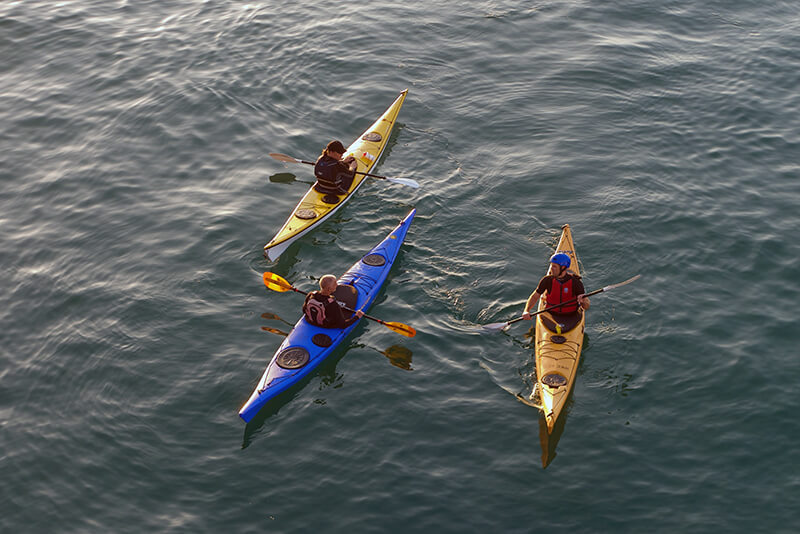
547, 440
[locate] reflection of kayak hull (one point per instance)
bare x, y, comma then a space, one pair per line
557, 355
315, 208
307, 345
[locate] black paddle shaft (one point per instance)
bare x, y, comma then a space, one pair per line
357, 172
551, 308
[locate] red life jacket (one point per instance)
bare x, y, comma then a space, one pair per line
562, 292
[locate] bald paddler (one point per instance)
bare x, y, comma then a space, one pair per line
321, 308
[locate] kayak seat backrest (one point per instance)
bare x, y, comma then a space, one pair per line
566, 322
347, 295
331, 194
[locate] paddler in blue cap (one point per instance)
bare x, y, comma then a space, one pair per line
563, 290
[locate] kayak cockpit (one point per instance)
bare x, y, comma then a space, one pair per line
558, 323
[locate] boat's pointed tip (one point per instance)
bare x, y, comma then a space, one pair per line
409, 217
272, 252
565, 226
551, 423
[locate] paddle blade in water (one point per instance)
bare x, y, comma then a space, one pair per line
494, 327
274, 331
400, 328
276, 283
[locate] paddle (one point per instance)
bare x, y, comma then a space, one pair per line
274, 331
402, 181
276, 283
496, 327
274, 317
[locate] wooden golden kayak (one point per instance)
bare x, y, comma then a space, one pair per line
558, 350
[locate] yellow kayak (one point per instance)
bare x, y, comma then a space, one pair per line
315, 207
557, 353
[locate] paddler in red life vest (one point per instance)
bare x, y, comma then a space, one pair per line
560, 287
321, 308
334, 174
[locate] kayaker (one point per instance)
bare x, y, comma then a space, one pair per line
559, 287
321, 309
334, 174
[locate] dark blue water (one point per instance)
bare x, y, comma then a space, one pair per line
137, 195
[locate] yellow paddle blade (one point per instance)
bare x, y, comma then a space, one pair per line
400, 328
276, 283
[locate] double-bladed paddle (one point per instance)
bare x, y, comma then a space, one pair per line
496, 327
277, 283
402, 181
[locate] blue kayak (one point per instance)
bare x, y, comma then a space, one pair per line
307, 345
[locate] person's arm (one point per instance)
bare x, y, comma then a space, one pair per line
353, 318
336, 317
531, 303
533, 300
348, 164
351, 163
582, 301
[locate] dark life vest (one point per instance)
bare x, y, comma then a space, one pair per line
328, 172
314, 310
562, 292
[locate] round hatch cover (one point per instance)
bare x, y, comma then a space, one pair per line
372, 136
292, 358
375, 260
558, 339
305, 214
321, 340
554, 380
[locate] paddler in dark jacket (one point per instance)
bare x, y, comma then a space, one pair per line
334, 174
560, 287
321, 309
